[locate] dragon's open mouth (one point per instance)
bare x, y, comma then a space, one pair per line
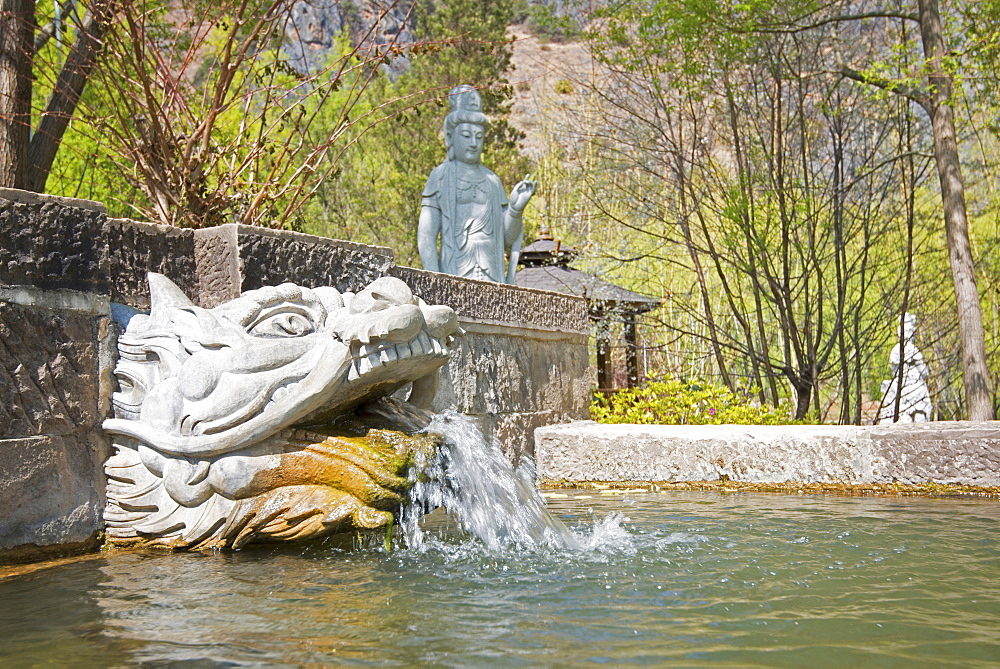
368, 357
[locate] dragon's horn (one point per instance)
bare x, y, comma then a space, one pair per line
164, 296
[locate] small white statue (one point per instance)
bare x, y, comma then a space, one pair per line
914, 397
465, 206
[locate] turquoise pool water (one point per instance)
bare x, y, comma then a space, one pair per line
665, 579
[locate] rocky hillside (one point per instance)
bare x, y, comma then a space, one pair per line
316, 24
546, 78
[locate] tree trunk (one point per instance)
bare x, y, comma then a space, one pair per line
803, 396
979, 400
17, 21
66, 94
631, 352
604, 376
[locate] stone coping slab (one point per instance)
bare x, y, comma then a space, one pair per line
496, 303
955, 453
40, 199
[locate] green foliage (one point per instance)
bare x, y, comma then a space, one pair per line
547, 24
676, 402
564, 87
84, 165
197, 117
772, 203
85, 168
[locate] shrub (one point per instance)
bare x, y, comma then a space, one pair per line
564, 87
675, 402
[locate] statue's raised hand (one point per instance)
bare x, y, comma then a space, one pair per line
521, 193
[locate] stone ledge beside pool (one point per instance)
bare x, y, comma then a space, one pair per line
954, 453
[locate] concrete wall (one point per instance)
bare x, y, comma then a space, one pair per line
64, 264
960, 453
523, 361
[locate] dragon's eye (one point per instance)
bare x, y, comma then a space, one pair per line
282, 323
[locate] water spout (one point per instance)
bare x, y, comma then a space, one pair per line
492, 500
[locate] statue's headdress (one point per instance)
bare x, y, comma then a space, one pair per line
466, 107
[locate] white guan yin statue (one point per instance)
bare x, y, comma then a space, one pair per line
234, 424
468, 225
911, 387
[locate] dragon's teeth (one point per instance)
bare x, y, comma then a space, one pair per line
364, 366
402, 350
424, 342
387, 354
374, 359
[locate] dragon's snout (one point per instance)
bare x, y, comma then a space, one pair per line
388, 312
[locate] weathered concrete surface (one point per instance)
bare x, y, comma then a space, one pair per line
49, 490
234, 258
944, 452
135, 249
488, 302
513, 380
941, 452
271, 257
48, 375
48, 243
53, 381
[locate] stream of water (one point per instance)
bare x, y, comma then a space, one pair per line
487, 497
598, 577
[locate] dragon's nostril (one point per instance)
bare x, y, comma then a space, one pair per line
441, 321
383, 292
400, 324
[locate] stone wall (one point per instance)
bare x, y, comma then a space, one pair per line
522, 361
959, 453
64, 265
52, 447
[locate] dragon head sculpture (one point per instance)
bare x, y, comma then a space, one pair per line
222, 419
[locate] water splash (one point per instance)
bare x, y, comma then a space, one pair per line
492, 500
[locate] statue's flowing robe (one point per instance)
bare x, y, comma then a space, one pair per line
914, 397
472, 221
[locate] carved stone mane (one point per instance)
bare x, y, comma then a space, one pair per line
222, 430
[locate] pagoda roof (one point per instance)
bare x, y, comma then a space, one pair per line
601, 295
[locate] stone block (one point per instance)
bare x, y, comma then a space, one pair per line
488, 302
271, 257
233, 258
590, 451
217, 259
136, 248
943, 452
956, 453
52, 243
51, 489
49, 371
515, 432
498, 370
